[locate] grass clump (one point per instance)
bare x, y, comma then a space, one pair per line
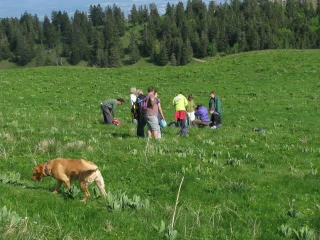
237, 181
120, 200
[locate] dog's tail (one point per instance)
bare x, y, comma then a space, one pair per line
100, 182
89, 165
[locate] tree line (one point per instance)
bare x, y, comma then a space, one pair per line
195, 30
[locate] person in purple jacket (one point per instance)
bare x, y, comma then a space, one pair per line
202, 114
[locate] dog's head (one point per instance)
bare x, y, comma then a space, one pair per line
38, 173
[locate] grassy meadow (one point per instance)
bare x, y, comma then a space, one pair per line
237, 183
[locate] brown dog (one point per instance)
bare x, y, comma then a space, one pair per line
67, 170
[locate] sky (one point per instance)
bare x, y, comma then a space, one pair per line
16, 8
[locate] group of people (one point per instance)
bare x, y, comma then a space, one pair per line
215, 113
150, 115
146, 110
188, 113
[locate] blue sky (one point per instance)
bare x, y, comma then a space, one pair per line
15, 8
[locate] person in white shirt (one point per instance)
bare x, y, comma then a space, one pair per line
133, 99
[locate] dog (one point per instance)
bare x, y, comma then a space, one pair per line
68, 170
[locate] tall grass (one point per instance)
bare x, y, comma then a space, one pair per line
238, 184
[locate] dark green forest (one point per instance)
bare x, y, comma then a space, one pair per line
184, 31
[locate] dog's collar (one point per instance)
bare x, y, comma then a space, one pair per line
46, 171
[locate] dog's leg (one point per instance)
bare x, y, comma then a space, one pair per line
67, 183
100, 183
57, 187
83, 185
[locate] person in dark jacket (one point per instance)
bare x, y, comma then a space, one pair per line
108, 108
141, 118
215, 103
215, 119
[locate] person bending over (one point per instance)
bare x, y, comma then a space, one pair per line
109, 108
202, 114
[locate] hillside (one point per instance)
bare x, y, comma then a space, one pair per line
238, 184
106, 37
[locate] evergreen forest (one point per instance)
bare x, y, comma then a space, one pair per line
107, 38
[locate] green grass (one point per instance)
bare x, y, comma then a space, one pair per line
238, 184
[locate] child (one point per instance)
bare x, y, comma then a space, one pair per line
133, 99
190, 109
160, 113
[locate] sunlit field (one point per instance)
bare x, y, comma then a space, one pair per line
235, 183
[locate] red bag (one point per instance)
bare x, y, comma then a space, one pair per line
116, 122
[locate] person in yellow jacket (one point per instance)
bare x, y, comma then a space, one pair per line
180, 102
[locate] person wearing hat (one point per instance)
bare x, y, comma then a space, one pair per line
108, 108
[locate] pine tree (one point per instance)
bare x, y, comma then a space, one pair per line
185, 30
96, 15
222, 40
253, 38
119, 21
24, 51
189, 10
173, 60
38, 30
195, 43
40, 56
66, 29
180, 16
147, 42
162, 58
213, 29
133, 48
79, 46
90, 29
98, 40
177, 45
143, 14
56, 23
212, 50
114, 60
154, 20
285, 35
170, 12
204, 43
66, 50
133, 17
4, 48
49, 33
187, 53
101, 59
76, 53
109, 27
243, 47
